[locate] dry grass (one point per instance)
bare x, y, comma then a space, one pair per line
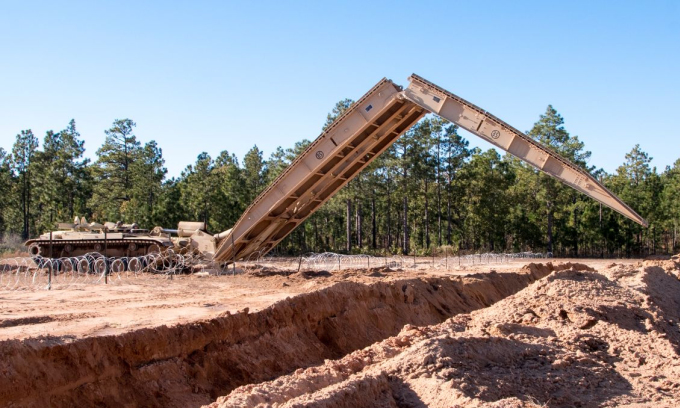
12, 246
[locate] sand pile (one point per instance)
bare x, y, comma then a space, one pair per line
575, 338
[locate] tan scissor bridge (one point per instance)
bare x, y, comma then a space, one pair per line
362, 133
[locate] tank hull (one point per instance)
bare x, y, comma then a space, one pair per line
122, 247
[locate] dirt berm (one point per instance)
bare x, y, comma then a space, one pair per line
192, 364
574, 339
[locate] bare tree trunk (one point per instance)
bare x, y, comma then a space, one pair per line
70, 204
448, 219
427, 219
357, 207
301, 239
316, 236
603, 243
448, 199
397, 233
328, 240
374, 229
404, 241
24, 210
439, 200
349, 225
550, 226
389, 218
575, 228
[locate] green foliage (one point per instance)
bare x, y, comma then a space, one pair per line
22, 164
339, 108
254, 174
638, 184
113, 177
426, 192
147, 173
61, 177
6, 186
127, 177
559, 204
486, 179
213, 191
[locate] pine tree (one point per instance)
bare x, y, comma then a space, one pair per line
254, 173
22, 164
60, 169
670, 200
112, 172
230, 191
170, 208
337, 111
347, 194
638, 185
455, 156
6, 184
147, 173
550, 132
198, 188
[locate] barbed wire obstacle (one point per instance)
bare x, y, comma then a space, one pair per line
331, 261
491, 257
23, 273
20, 273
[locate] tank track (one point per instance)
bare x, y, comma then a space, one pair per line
59, 245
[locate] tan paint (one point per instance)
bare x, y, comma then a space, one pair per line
362, 133
499, 133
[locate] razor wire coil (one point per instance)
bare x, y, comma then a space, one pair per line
24, 273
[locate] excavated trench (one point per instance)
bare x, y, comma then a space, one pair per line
190, 365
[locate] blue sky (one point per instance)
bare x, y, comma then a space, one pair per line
212, 76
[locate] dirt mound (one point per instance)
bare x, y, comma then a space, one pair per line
577, 338
543, 269
671, 264
188, 365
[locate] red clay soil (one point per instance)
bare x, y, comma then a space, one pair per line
577, 338
191, 364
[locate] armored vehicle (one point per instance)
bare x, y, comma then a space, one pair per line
109, 239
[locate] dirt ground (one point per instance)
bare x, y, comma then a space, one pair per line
580, 337
83, 310
604, 334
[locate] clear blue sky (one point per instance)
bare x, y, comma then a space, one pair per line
212, 76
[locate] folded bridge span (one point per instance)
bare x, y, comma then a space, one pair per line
360, 135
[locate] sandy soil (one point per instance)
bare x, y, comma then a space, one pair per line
83, 310
578, 338
193, 363
317, 338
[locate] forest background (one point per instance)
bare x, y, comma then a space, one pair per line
428, 193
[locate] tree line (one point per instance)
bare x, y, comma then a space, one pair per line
428, 192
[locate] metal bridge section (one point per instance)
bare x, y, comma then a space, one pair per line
362, 133
355, 139
485, 125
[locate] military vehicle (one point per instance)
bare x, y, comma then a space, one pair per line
109, 239
345, 148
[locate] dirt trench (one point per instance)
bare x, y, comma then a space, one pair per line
190, 365
577, 338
